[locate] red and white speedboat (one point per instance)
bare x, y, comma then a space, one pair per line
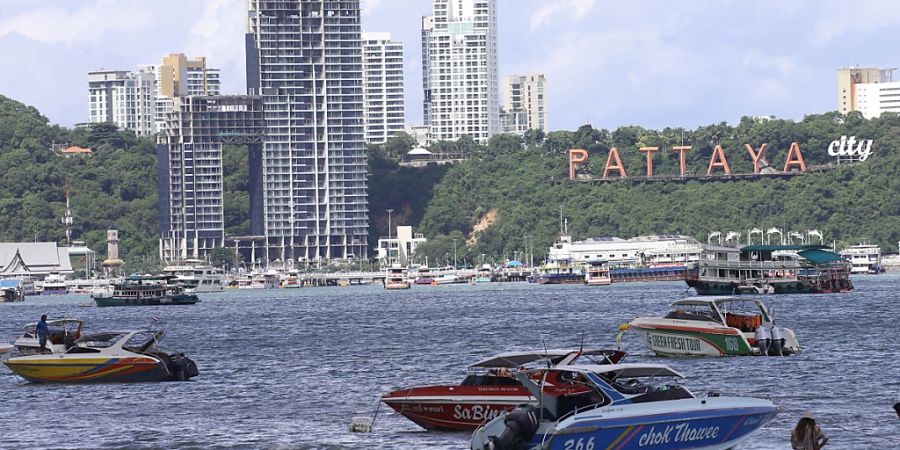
489, 390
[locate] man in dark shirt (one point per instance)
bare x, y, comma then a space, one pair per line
43, 332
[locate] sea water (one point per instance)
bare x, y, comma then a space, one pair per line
290, 368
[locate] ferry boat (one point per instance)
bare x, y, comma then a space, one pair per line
424, 276
142, 290
54, 284
448, 278
196, 275
489, 389
559, 272
292, 280
864, 259
484, 274
621, 406
597, 273
107, 358
770, 269
264, 280
396, 278
710, 326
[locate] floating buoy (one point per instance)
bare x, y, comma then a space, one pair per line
360, 424
625, 327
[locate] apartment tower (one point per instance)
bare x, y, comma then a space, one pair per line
526, 93
870, 91
382, 87
427, 27
304, 60
462, 63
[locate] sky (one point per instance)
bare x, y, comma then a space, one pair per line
608, 63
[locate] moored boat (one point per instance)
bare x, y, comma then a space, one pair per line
109, 357
864, 259
54, 284
711, 326
559, 272
396, 278
143, 290
770, 269
597, 273
196, 275
489, 389
621, 406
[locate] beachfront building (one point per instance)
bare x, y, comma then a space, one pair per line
400, 247
382, 87
462, 70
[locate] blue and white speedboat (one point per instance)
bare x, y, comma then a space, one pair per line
621, 406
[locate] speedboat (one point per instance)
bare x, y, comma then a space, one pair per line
621, 406
63, 334
710, 326
488, 390
107, 358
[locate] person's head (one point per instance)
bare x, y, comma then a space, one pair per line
897, 408
43, 318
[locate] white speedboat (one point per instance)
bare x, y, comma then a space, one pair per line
196, 275
710, 326
621, 406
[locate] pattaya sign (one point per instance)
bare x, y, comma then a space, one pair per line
844, 149
717, 161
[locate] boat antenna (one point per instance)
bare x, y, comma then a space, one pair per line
581, 347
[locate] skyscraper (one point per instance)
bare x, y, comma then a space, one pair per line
382, 87
304, 59
527, 93
464, 83
427, 27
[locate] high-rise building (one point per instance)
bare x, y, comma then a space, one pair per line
304, 60
851, 78
464, 82
526, 93
383, 101
427, 27
139, 100
870, 91
127, 99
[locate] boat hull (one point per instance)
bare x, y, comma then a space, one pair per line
455, 408
669, 337
705, 287
183, 299
397, 286
560, 279
88, 370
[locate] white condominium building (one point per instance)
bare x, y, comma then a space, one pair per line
127, 99
526, 93
382, 86
868, 90
464, 83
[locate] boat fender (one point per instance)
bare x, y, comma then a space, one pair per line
521, 425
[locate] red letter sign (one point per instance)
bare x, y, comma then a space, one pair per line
682, 149
576, 156
649, 151
718, 160
757, 157
614, 154
795, 158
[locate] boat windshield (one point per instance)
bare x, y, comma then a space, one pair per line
100, 340
691, 311
650, 389
142, 341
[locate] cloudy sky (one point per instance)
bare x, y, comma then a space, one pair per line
610, 63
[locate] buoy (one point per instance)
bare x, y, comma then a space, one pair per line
625, 327
360, 424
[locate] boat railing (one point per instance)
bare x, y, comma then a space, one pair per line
751, 264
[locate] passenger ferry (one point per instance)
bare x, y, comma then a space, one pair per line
864, 259
54, 284
396, 278
770, 269
597, 273
197, 275
559, 272
141, 290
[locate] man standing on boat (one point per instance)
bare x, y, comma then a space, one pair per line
763, 338
43, 332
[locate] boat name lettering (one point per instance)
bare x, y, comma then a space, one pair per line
479, 413
579, 444
682, 432
674, 342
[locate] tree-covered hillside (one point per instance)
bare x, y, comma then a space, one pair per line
114, 187
524, 182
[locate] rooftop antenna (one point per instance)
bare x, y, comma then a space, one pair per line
67, 219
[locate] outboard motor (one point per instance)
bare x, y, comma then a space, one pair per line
182, 367
521, 425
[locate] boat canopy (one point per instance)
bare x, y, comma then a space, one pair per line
775, 248
631, 370
818, 256
518, 359
707, 300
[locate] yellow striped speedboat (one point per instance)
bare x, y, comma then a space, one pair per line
107, 358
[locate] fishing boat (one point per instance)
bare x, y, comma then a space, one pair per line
710, 326
770, 269
597, 273
396, 278
559, 272
621, 406
196, 275
62, 334
107, 358
144, 290
488, 390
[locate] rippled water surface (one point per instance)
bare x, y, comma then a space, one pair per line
289, 368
